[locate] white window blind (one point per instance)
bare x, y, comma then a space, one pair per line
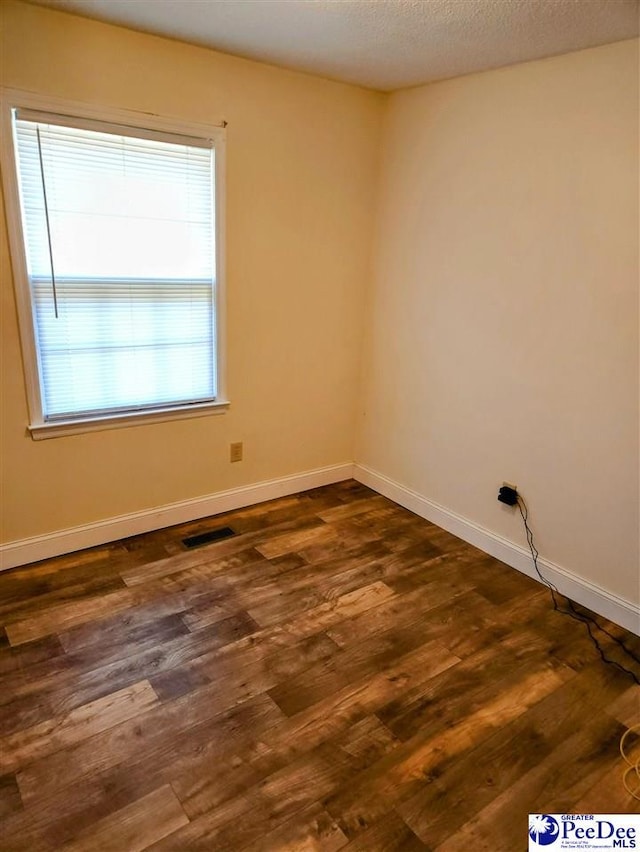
119, 232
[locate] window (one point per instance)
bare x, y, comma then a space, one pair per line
117, 244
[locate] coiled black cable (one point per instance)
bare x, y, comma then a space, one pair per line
588, 620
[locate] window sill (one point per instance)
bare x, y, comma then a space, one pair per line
61, 428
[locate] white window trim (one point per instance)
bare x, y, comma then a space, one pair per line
11, 99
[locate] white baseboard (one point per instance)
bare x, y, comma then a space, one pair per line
597, 599
27, 550
21, 552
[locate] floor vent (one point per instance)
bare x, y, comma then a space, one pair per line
208, 537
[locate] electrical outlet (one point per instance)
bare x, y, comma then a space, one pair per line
508, 494
510, 485
235, 451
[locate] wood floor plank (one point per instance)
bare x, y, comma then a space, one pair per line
319, 553
331, 612
297, 523
88, 675
178, 563
241, 679
68, 576
71, 681
403, 772
10, 800
626, 707
217, 553
618, 800
63, 616
16, 614
59, 732
355, 507
277, 598
240, 821
297, 540
228, 629
151, 761
25, 656
389, 835
134, 828
60, 817
204, 792
367, 740
59, 566
23, 713
310, 830
283, 608
476, 680
481, 774
133, 628
306, 623
339, 674
329, 676
306, 576
554, 785
337, 713
412, 606
204, 757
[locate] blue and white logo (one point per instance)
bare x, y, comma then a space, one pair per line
584, 831
543, 829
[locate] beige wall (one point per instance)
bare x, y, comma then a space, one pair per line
503, 328
499, 293
300, 176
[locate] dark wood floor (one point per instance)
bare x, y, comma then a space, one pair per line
339, 675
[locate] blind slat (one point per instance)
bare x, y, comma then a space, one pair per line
132, 240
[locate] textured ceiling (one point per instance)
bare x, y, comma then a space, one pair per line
380, 44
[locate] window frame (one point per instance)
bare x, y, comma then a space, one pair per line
38, 427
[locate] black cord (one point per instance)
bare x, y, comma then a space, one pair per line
588, 621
